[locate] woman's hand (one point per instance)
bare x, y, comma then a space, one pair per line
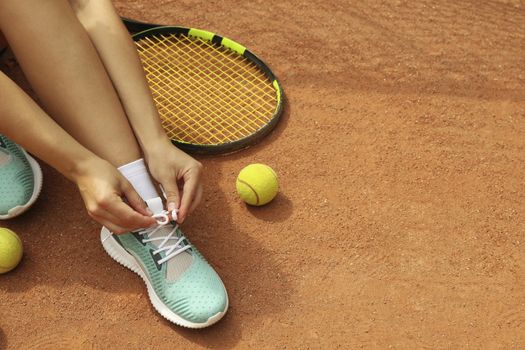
103, 188
179, 174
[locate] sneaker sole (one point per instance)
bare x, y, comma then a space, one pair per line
120, 255
37, 188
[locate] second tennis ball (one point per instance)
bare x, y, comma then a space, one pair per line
10, 250
257, 184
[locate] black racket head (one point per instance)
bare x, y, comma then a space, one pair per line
252, 90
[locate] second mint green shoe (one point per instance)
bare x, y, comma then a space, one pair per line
182, 286
20, 179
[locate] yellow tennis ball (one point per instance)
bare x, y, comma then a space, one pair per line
257, 184
10, 250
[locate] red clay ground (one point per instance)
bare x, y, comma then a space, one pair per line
400, 223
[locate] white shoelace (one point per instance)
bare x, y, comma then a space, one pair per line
166, 244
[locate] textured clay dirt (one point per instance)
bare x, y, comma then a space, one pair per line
400, 222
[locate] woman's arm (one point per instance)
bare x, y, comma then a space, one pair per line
100, 184
166, 163
120, 58
22, 120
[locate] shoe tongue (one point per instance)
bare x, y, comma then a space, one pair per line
179, 263
157, 207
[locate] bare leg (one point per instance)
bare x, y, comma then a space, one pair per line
168, 165
100, 184
66, 72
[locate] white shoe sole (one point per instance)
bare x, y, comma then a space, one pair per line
120, 255
37, 187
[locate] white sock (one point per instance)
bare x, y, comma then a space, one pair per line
137, 173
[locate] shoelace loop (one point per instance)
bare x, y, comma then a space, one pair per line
163, 218
173, 249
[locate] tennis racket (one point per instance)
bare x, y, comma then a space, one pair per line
213, 95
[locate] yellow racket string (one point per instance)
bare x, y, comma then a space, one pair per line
191, 78
201, 110
205, 94
194, 85
230, 86
175, 76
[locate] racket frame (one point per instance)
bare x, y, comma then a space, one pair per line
140, 30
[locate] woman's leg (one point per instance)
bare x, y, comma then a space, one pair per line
101, 185
3, 43
66, 72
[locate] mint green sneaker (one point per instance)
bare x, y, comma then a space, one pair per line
20, 179
182, 286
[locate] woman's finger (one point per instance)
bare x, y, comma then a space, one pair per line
188, 195
110, 219
125, 216
171, 191
134, 200
108, 223
197, 200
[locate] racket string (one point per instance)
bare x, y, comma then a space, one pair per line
172, 54
198, 106
186, 92
160, 90
232, 78
163, 91
206, 47
231, 58
195, 84
198, 82
173, 76
175, 130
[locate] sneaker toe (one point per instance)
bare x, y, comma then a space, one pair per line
198, 295
13, 196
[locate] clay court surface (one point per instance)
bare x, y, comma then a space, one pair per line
400, 222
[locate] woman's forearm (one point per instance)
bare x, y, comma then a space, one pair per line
120, 58
24, 122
